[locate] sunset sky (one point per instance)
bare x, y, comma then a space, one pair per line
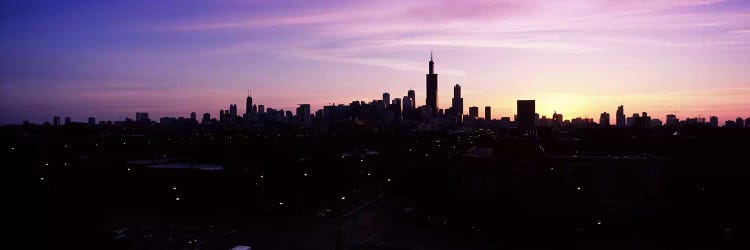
110, 59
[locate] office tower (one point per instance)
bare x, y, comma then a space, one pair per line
525, 111
193, 116
56, 121
67, 120
714, 121
413, 98
457, 102
386, 99
261, 109
206, 118
141, 116
303, 112
473, 112
747, 122
557, 118
487, 113
249, 104
620, 117
233, 111
397, 105
604, 119
672, 120
92, 121
739, 122
432, 88
406, 103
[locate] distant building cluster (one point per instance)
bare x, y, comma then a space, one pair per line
403, 111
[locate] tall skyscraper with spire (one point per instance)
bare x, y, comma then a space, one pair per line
620, 117
432, 88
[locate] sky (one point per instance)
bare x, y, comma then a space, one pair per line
110, 59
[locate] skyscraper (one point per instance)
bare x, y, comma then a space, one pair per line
604, 120
432, 88
92, 121
67, 120
457, 102
249, 104
303, 112
386, 99
739, 123
193, 116
56, 121
525, 110
487, 113
206, 118
413, 98
233, 111
407, 102
261, 109
141, 116
620, 119
474, 112
714, 121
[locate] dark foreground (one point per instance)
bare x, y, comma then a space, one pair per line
84, 188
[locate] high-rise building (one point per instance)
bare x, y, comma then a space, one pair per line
413, 98
457, 102
56, 121
474, 112
233, 111
67, 120
487, 113
248, 104
620, 117
407, 102
303, 112
432, 88
141, 116
672, 120
714, 121
397, 105
206, 118
604, 119
386, 99
261, 109
92, 121
193, 116
739, 122
525, 110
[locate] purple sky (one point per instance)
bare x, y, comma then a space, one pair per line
110, 59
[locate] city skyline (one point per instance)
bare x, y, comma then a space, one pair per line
197, 59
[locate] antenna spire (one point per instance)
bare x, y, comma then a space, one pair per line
430, 55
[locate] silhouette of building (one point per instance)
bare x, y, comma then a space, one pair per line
56, 121
193, 116
714, 121
233, 111
557, 119
620, 117
206, 118
457, 102
303, 112
487, 113
604, 119
739, 122
386, 99
248, 104
473, 112
525, 111
67, 120
413, 96
261, 109
407, 103
92, 121
141, 116
672, 120
432, 88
